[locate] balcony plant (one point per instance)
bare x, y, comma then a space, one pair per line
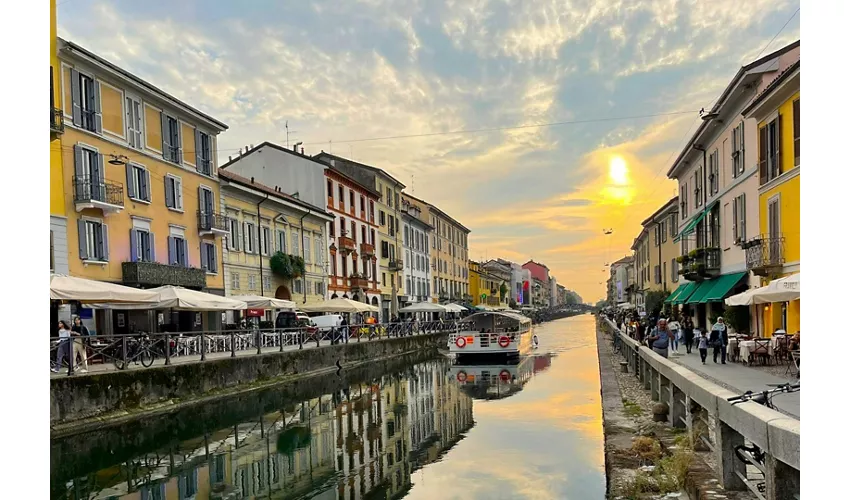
503, 290
287, 266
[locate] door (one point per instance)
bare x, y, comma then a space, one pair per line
774, 235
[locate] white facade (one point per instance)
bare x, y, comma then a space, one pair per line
553, 291
516, 282
417, 257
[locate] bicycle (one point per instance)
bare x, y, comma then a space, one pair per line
616, 346
137, 351
753, 455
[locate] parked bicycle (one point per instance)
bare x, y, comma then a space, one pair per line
139, 350
615, 342
753, 455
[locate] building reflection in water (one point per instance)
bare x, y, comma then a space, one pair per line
363, 441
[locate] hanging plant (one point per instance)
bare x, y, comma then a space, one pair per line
503, 290
281, 265
298, 267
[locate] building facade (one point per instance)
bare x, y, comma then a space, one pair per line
142, 188
718, 191
417, 253
775, 251
388, 222
642, 266
263, 222
58, 219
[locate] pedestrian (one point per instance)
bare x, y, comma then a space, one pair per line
660, 338
703, 347
63, 348
688, 331
719, 339
675, 332
80, 343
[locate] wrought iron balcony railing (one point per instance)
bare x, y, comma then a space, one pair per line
700, 264
396, 265
211, 222
765, 254
57, 121
96, 193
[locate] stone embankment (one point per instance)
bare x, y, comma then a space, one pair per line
645, 458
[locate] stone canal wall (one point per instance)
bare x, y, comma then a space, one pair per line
80, 401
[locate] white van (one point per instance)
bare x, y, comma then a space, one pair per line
326, 322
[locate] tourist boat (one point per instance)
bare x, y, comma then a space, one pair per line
493, 334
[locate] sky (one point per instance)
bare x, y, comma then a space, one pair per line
590, 100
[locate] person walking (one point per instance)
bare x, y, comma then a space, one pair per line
80, 343
703, 347
675, 332
688, 331
660, 338
62, 350
719, 340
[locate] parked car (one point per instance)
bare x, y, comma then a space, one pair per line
295, 319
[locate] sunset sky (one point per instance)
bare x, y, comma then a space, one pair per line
345, 70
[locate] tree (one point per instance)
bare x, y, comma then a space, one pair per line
655, 301
602, 304
503, 290
738, 318
287, 266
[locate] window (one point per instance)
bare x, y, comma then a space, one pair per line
406, 241
362, 206
371, 211
171, 143
252, 282
391, 228
372, 236
698, 187
317, 247
354, 231
295, 249
141, 245
178, 250
320, 288
203, 153
383, 279
93, 240
797, 133
298, 286
351, 203
134, 122
267, 282
656, 235
233, 239
265, 240
674, 225
250, 238
234, 280
85, 100
674, 271
713, 173
739, 219
382, 218
663, 230
341, 197
389, 198
307, 255
209, 257
770, 150
173, 192
385, 250
773, 217
138, 180
330, 191
408, 287
738, 165
363, 238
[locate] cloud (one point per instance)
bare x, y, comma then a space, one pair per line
342, 71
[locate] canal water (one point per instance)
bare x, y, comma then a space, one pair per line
416, 430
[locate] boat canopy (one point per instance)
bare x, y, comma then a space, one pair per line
497, 321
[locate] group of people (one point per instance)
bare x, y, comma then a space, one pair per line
72, 345
663, 335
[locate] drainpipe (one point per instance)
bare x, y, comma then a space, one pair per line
301, 223
259, 241
660, 266
704, 205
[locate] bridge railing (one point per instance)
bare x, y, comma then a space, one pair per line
699, 405
146, 349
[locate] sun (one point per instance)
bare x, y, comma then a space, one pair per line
618, 171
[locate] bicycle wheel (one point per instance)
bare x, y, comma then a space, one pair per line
147, 358
119, 363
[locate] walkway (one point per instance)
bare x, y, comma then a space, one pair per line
739, 378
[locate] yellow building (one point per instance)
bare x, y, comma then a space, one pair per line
775, 253
286, 224
485, 288
58, 220
142, 190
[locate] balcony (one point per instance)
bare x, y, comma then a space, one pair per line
212, 223
346, 245
765, 254
700, 264
156, 274
57, 122
367, 251
95, 193
395, 265
358, 281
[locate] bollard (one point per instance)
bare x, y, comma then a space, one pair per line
300, 340
203, 347
123, 352
624, 366
259, 342
280, 339
167, 349
72, 357
232, 344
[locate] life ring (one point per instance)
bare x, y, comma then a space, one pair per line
461, 343
505, 375
504, 341
534, 339
461, 376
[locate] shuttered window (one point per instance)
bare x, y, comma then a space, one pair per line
93, 240
203, 152
209, 257
142, 246
173, 192
85, 100
134, 122
171, 139
797, 133
138, 183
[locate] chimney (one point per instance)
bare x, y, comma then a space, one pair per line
302, 150
252, 180
229, 158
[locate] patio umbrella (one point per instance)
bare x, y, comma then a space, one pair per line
340, 306
742, 299
260, 302
423, 307
455, 307
87, 291
182, 299
781, 290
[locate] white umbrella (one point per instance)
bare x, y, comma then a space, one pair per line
423, 307
781, 290
742, 299
340, 306
260, 302
182, 299
454, 307
83, 290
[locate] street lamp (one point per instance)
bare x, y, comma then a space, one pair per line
118, 159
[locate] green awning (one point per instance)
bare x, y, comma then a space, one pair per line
689, 228
722, 285
686, 292
702, 289
672, 297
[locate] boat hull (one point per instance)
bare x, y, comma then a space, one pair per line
478, 346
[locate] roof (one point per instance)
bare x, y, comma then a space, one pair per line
672, 203
721, 100
537, 263
784, 75
238, 179
140, 82
370, 167
625, 260
440, 212
267, 144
